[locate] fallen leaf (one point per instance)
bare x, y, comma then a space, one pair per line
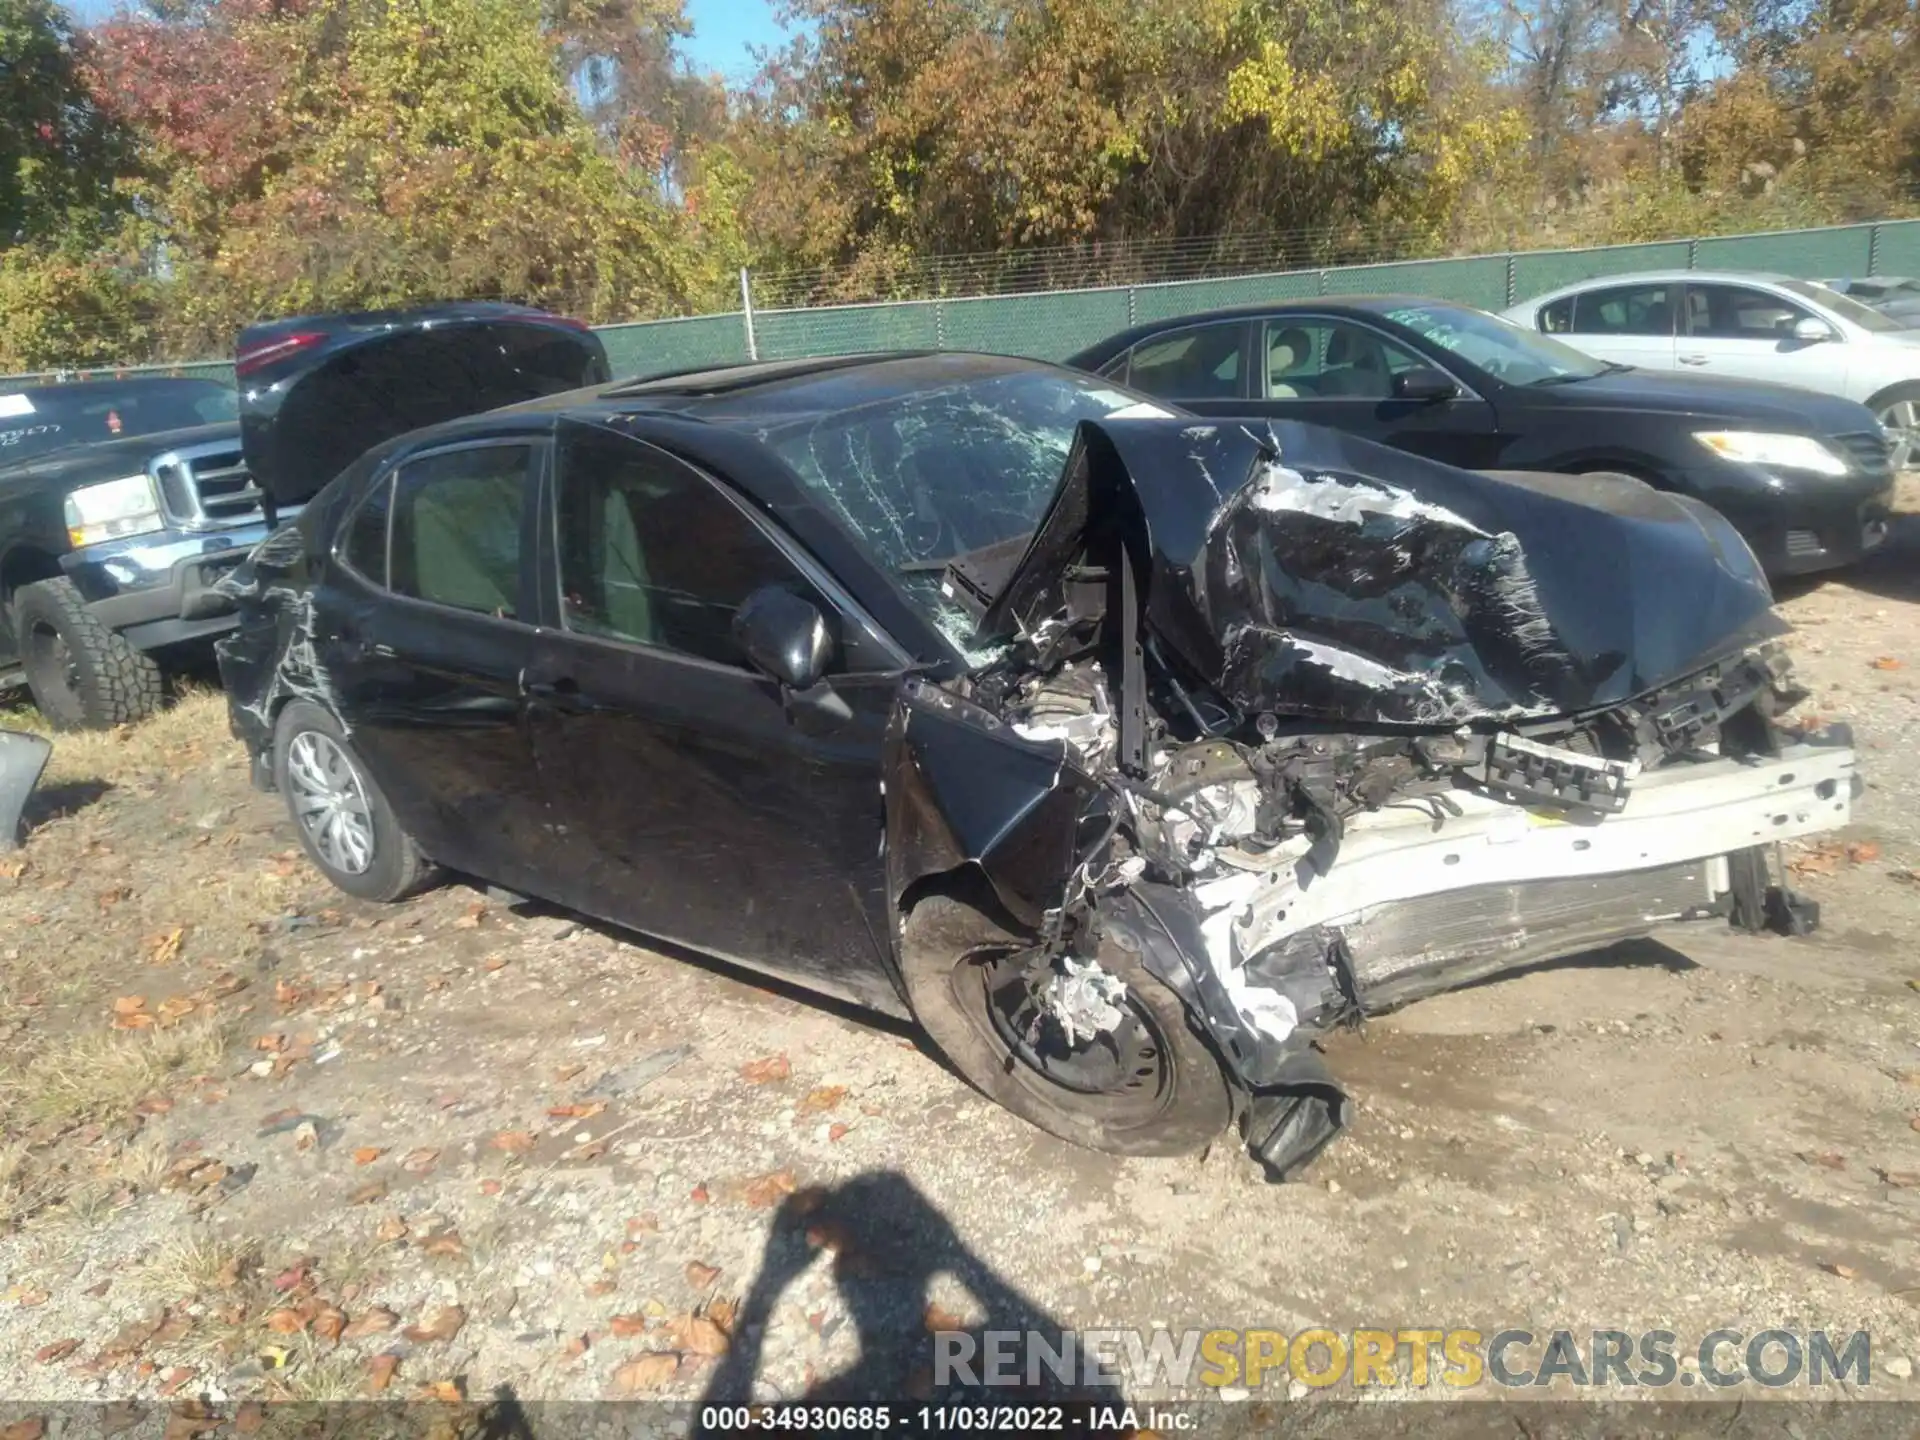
329, 1322
227, 983
1886, 662
368, 1193
476, 912
419, 1162
575, 1348
113, 896
286, 1322
1831, 1159
513, 1142
177, 1377
493, 964
824, 1098
938, 1318
446, 1247
1900, 1179
721, 1312
177, 1007
165, 949
249, 1417
367, 1154
380, 1372
700, 1275
31, 1428
444, 1324
765, 1069
56, 1352
566, 1072
699, 1194
576, 1112
391, 1229
645, 1373
370, 1322
1863, 852
837, 1131
625, 1327
449, 1392
644, 1224
764, 1191
491, 1187
27, 1299
602, 1287
129, 1004
697, 1335
1845, 1272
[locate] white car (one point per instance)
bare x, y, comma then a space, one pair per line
1756, 327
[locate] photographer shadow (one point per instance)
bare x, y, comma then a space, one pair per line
887, 1243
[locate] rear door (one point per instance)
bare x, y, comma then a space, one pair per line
1200, 366
424, 626
1629, 324
1747, 333
691, 804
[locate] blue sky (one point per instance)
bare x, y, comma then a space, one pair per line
722, 31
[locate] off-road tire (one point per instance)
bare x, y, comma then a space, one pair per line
942, 940
398, 868
103, 680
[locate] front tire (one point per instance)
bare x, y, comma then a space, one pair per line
83, 675
345, 824
1169, 1095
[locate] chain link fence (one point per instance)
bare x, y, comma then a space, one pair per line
1050, 322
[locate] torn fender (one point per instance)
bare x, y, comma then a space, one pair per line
23, 758
1305, 573
963, 788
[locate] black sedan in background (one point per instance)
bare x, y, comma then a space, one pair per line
1807, 479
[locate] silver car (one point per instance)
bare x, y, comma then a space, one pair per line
1756, 327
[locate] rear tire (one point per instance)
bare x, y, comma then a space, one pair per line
948, 946
345, 824
83, 675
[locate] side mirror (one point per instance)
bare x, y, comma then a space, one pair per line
784, 636
1809, 331
1423, 384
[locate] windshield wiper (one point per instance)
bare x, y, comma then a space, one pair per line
1607, 367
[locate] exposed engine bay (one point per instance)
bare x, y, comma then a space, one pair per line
1326, 745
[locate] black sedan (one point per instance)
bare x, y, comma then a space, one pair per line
1124, 752
1806, 478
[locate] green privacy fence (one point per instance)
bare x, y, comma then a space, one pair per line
1054, 324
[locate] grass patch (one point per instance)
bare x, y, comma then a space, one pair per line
96, 1076
191, 731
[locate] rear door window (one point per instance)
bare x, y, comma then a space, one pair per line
458, 518
1200, 362
1625, 310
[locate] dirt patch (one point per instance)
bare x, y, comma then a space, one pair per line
263, 1141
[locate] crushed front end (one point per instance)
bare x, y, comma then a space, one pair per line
1315, 729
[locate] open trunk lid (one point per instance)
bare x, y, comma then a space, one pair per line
318, 391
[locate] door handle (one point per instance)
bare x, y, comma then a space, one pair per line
562, 692
1693, 359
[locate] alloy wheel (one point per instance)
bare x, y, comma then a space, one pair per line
1903, 419
330, 803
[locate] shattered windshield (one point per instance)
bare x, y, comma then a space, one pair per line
1513, 353
934, 473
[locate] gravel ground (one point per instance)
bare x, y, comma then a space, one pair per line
265, 1142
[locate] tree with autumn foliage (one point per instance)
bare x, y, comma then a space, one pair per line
366, 153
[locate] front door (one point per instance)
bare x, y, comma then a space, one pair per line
1748, 334
1340, 373
423, 627
692, 801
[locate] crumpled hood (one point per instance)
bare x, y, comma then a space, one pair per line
1303, 572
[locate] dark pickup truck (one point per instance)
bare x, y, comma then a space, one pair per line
122, 502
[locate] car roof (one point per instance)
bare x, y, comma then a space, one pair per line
1635, 277
770, 391
1295, 304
